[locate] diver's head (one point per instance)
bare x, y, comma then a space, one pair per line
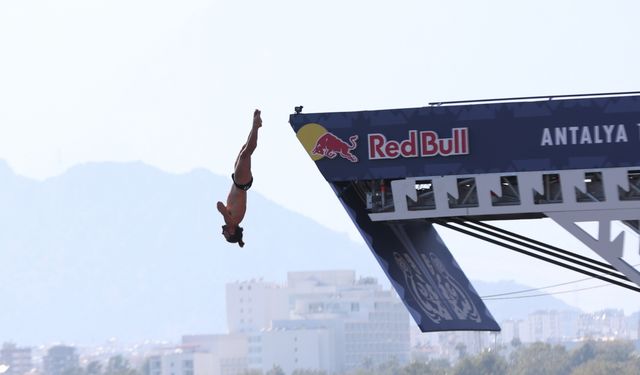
233, 234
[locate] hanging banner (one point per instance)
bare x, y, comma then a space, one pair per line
421, 268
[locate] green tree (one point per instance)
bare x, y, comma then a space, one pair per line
367, 364
461, 349
391, 367
118, 365
251, 372
363, 371
93, 368
515, 342
275, 370
632, 366
583, 354
416, 368
600, 367
485, 363
605, 358
433, 367
439, 364
540, 359
465, 366
73, 371
614, 351
308, 372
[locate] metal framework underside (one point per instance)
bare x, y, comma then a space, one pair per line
568, 197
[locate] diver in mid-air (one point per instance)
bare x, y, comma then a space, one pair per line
236, 207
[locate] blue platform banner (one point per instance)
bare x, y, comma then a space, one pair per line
421, 268
602, 132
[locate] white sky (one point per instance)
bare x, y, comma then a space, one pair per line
174, 83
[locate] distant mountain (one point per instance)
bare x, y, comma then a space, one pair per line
125, 250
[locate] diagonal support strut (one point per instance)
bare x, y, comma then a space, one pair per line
611, 251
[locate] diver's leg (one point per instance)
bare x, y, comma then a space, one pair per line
243, 162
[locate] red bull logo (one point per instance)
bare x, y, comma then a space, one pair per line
424, 144
321, 143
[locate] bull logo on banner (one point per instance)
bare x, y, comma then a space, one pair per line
321, 143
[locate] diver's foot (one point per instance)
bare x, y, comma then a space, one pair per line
257, 120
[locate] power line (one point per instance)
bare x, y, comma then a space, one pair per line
547, 294
499, 296
536, 289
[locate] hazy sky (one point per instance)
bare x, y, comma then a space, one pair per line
174, 83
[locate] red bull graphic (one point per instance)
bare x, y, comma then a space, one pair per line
329, 145
423, 144
321, 143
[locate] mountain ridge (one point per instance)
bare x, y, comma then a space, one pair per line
127, 250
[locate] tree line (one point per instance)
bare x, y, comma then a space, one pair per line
588, 358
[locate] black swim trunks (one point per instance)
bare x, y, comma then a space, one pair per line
244, 187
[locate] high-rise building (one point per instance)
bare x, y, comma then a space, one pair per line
333, 323
543, 326
326, 321
510, 331
252, 305
294, 347
604, 324
60, 359
550, 326
17, 359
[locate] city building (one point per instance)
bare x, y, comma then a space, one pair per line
609, 324
229, 351
17, 360
202, 355
182, 363
510, 331
291, 348
455, 345
252, 305
550, 326
60, 359
334, 323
